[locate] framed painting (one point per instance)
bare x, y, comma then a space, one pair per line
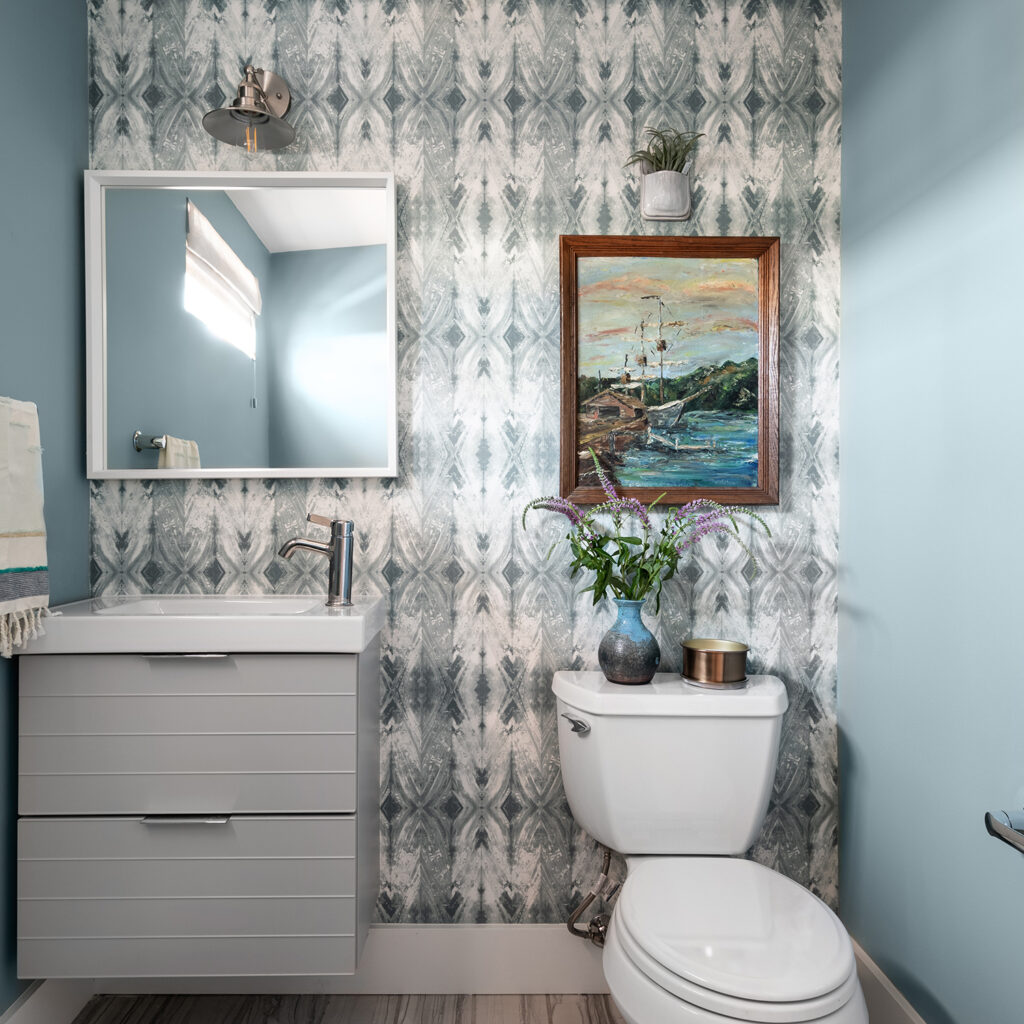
670, 368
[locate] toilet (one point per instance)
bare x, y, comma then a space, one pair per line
677, 778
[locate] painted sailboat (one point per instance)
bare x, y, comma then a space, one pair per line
670, 414
618, 416
664, 415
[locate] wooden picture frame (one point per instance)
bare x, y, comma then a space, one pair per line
629, 312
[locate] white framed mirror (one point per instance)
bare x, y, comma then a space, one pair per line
240, 324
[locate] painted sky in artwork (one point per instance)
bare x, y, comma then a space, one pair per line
710, 303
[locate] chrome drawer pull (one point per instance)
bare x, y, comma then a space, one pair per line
164, 657
186, 819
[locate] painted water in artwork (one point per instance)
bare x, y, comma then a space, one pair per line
668, 370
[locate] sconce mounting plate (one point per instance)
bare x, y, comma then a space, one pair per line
276, 90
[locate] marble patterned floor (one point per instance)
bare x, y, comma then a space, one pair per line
319, 1009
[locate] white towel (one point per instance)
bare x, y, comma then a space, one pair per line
178, 454
24, 580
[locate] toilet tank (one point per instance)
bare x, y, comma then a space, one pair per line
668, 767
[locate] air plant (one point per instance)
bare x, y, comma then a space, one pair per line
634, 561
667, 150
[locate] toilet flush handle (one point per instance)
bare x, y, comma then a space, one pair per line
578, 725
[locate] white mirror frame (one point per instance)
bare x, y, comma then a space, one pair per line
95, 311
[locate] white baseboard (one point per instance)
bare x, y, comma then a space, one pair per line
886, 1004
49, 1002
425, 959
485, 959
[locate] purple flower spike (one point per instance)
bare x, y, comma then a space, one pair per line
637, 509
553, 503
700, 532
690, 509
620, 506
606, 484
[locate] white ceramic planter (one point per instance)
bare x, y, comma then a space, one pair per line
665, 195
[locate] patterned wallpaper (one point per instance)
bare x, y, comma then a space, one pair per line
506, 124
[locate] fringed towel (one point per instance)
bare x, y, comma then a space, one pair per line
24, 582
178, 454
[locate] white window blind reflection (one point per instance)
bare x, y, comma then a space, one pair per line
219, 288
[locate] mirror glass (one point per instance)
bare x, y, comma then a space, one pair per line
240, 325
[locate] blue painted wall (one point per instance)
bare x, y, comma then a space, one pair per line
931, 696
166, 372
42, 346
329, 373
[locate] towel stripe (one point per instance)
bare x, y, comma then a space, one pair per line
26, 568
16, 585
25, 533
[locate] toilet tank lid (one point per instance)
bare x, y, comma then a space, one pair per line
669, 695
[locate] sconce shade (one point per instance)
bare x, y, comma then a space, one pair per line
254, 118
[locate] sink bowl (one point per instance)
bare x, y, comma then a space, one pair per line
229, 623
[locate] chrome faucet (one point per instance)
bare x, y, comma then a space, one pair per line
339, 556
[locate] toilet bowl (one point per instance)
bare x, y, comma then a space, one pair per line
677, 778
710, 939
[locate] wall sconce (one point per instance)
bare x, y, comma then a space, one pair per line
254, 117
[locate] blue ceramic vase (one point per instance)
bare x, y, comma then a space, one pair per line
628, 652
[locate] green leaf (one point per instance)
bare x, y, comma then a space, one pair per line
667, 149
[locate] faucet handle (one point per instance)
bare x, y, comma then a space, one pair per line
338, 527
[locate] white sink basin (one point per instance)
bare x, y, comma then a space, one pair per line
190, 605
189, 623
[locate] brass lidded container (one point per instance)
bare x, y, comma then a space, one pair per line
721, 664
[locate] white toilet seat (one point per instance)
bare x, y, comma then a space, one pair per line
713, 938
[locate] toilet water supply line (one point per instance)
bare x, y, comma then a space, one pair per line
597, 927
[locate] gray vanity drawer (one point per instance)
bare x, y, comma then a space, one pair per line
118, 897
128, 734
288, 674
191, 957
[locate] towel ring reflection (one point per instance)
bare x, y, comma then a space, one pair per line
143, 441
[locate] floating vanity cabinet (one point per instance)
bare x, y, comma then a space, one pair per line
106, 734
190, 815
